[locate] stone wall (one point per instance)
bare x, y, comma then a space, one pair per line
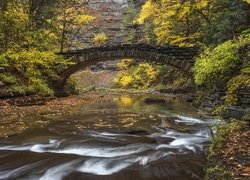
109, 15
210, 101
244, 97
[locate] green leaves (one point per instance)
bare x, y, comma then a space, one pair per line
29, 70
226, 66
128, 24
28, 39
216, 66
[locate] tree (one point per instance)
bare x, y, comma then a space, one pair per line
189, 23
228, 18
71, 17
177, 22
27, 60
149, 33
129, 26
18, 28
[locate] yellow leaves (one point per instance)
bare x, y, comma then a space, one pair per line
73, 14
175, 21
184, 12
140, 76
69, 10
70, 17
83, 19
148, 11
16, 15
202, 4
126, 80
149, 71
100, 39
125, 64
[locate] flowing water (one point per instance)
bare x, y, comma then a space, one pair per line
124, 139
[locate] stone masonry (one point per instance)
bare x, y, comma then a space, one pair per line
109, 15
181, 58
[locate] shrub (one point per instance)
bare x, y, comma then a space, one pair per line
216, 66
137, 76
100, 39
29, 70
125, 64
225, 66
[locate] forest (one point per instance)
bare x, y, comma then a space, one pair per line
35, 33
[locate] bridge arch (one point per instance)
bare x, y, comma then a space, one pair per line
181, 58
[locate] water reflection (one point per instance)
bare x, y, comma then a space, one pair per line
124, 139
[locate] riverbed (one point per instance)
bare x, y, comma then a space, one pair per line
106, 136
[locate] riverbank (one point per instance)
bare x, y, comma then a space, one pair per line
228, 155
17, 114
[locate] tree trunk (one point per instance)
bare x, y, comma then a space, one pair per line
3, 5
63, 37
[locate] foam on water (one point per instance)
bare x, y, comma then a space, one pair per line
15, 148
176, 141
102, 167
110, 166
189, 120
102, 151
14, 173
96, 151
57, 173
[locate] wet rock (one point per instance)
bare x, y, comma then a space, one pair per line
154, 100
138, 132
235, 112
189, 99
208, 108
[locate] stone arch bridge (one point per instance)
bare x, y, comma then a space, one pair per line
181, 58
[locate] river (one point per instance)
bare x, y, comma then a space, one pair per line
125, 139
